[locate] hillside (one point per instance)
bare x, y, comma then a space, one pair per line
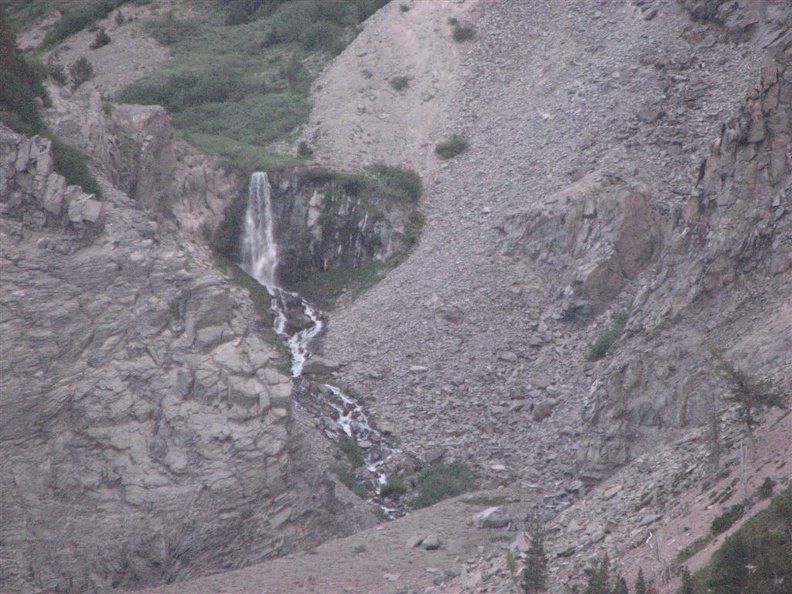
620, 213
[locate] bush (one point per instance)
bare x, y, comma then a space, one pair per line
461, 32
79, 17
71, 164
304, 150
81, 71
400, 83
101, 39
398, 182
394, 488
765, 490
169, 30
600, 347
441, 481
452, 147
353, 452
726, 520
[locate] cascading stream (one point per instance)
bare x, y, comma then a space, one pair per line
260, 261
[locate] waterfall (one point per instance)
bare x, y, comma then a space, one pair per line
259, 250
297, 322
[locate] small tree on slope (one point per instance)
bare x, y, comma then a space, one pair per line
535, 570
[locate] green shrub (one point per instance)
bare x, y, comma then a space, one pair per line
81, 71
462, 32
727, 519
455, 145
347, 477
101, 39
304, 150
404, 7
168, 30
600, 347
757, 557
78, 17
400, 83
71, 164
441, 481
765, 490
323, 35
394, 488
353, 452
397, 182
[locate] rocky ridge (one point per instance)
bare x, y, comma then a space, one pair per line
148, 429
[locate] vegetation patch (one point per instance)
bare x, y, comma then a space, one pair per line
353, 452
399, 83
82, 15
727, 519
21, 88
394, 488
347, 477
240, 73
600, 347
461, 31
441, 481
693, 548
397, 183
451, 147
755, 558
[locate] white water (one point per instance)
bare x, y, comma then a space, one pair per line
260, 260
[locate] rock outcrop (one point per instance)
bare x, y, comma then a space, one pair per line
147, 431
726, 267
325, 221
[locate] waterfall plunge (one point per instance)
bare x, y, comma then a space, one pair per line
260, 252
260, 260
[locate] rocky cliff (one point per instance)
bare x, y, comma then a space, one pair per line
148, 434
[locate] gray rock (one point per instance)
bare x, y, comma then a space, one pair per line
319, 366
493, 517
435, 455
431, 543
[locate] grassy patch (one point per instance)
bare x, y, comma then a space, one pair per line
397, 183
600, 347
693, 548
324, 287
80, 16
452, 147
240, 74
441, 481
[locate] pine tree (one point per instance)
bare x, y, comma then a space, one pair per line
599, 582
640, 583
621, 586
535, 569
687, 582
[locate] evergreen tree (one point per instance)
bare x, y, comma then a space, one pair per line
621, 586
599, 582
640, 583
687, 582
535, 569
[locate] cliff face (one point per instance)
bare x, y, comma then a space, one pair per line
723, 279
147, 432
